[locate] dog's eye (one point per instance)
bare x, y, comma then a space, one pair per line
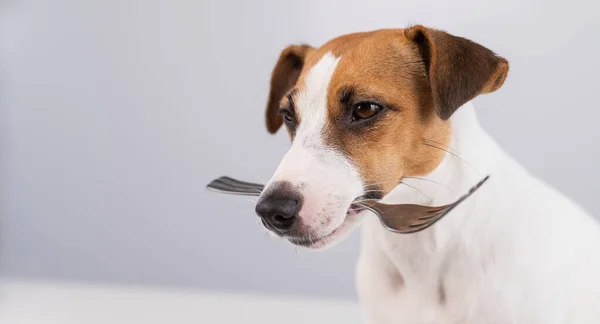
365, 110
287, 115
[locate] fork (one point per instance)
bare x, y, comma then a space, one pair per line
398, 218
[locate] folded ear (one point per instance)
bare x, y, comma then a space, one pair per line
458, 69
284, 77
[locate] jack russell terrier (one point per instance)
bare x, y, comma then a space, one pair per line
387, 114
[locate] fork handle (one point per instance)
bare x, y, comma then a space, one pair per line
235, 187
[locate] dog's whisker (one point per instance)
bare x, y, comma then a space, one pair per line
432, 181
253, 201
260, 180
440, 144
431, 143
417, 189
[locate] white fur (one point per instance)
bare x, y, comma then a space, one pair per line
314, 168
515, 252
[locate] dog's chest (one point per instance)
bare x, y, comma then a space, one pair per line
389, 297
424, 285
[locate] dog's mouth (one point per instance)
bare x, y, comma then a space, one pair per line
350, 220
316, 242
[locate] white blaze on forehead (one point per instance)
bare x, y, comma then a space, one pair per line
311, 102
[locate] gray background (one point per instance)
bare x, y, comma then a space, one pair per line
115, 114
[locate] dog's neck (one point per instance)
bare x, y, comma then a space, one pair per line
471, 156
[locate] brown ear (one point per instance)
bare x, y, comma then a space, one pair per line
458, 69
284, 77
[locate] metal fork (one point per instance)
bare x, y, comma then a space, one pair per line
398, 218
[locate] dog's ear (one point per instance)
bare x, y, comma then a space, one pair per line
284, 77
458, 69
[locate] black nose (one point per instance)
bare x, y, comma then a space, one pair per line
279, 207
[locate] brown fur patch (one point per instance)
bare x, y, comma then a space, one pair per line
381, 66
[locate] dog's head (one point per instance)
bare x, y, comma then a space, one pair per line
358, 111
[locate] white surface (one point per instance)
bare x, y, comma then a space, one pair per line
39, 302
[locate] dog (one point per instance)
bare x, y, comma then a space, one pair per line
388, 115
